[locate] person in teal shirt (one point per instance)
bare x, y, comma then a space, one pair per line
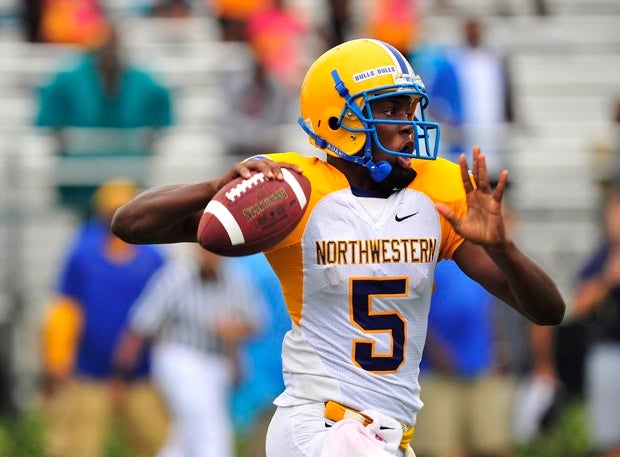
105, 114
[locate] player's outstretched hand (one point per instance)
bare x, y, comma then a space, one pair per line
270, 168
483, 223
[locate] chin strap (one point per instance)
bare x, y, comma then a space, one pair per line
379, 171
324, 144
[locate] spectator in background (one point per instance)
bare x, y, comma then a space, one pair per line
541, 393
486, 95
467, 396
261, 381
276, 35
442, 84
396, 22
30, 16
232, 16
100, 279
79, 22
105, 114
482, 367
258, 93
338, 23
597, 301
196, 313
605, 154
541, 8
257, 101
469, 84
171, 8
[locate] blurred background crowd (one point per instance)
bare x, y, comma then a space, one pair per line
101, 98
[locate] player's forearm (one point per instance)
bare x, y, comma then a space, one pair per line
166, 214
531, 291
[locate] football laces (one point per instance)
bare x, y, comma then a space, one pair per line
243, 186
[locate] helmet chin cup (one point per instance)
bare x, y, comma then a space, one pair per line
378, 171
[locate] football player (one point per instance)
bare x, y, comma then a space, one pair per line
357, 272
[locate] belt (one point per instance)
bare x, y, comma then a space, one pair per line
337, 412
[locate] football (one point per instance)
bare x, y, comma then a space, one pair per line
251, 215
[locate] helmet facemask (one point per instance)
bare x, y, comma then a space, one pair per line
425, 134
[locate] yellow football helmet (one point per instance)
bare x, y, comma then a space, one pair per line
335, 96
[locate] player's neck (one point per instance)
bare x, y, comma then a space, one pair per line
357, 175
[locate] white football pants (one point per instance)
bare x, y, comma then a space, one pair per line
303, 430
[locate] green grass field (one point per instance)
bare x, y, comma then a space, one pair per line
23, 437
568, 438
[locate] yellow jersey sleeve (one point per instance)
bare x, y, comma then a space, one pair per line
441, 181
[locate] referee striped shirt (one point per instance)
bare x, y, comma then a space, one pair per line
180, 306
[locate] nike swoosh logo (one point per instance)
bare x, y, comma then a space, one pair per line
400, 219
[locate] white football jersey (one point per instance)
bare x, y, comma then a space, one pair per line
357, 275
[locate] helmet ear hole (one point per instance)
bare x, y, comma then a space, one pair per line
333, 123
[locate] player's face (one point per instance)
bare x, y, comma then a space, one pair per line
393, 136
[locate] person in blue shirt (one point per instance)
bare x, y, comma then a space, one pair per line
439, 73
100, 278
468, 399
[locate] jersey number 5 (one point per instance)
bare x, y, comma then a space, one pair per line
388, 322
